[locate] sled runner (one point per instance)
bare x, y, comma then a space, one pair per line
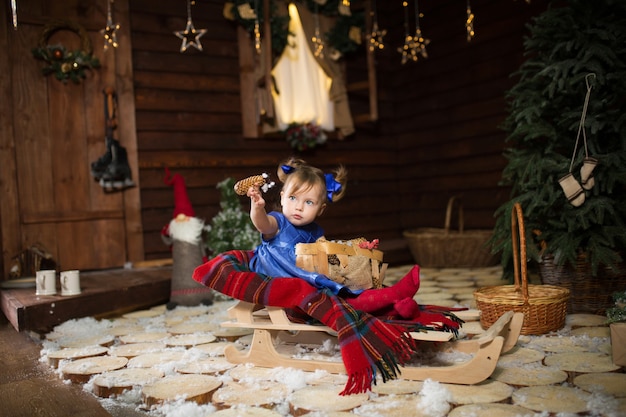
272, 328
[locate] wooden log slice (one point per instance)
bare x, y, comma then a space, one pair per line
131, 350
464, 283
213, 366
126, 329
191, 339
80, 342
597, 331
611, 383
428, 290
75, 353
428, 298
185, 312
116, 382
191, 387
249, 373
231, 333
215, 348
264, 394
490, 410
520, 355
79, 371
584, 320
582, 362
552, 399
149, 360
247, 412
488, 391
397, 387
522, 376
190, 328
454, 278
144, 337
559, 344
143, 314
400, 406
162, 308
323, 398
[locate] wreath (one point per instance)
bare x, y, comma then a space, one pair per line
64, 64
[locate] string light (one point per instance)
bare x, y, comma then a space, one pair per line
413, 45
257, 28
110, 30
318, 43
190, 36
469, 23
377, 35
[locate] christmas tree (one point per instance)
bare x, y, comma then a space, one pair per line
573, 49
231, 228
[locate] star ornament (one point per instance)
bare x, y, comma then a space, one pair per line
190, 36
110, 34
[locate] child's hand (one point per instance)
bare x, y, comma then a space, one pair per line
255, 196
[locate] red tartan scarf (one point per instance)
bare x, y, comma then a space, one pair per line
368, 345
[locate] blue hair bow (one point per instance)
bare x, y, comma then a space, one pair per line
287, 169
332, 186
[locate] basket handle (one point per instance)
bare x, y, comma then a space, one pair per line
449, 214
519, 250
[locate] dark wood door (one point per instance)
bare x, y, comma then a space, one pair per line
51, 133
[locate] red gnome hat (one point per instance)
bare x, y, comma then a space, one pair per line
182, 204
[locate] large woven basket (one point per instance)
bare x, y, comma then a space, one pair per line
445, 248
344, 262
589, 293
544, 306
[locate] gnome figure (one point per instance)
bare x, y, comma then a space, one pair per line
184, 235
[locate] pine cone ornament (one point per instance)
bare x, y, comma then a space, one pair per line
242, 186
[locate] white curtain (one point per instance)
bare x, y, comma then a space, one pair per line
303, 87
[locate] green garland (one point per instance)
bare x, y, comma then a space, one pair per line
64, 64
344, 37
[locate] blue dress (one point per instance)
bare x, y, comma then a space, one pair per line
276, 257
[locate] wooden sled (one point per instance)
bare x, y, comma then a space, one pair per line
271, 326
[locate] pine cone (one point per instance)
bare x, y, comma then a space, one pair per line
242, 186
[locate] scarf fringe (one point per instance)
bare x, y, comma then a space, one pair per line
388, 366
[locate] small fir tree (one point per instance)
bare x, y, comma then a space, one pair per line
567, 42
231, 228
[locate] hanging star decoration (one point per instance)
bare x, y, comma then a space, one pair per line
110, 30
377, 35
190, 36
318, 43
415, 45
469, 23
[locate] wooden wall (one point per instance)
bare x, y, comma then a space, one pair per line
189, 119
438, 133
447, 110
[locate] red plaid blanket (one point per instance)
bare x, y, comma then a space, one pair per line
368, 345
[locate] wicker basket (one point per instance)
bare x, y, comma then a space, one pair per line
344, 262
445, 248
544, 306
588, 293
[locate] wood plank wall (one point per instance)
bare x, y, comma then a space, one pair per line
447, 110
438, 132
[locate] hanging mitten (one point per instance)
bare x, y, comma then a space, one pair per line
572, 189
242, 186
586, 173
